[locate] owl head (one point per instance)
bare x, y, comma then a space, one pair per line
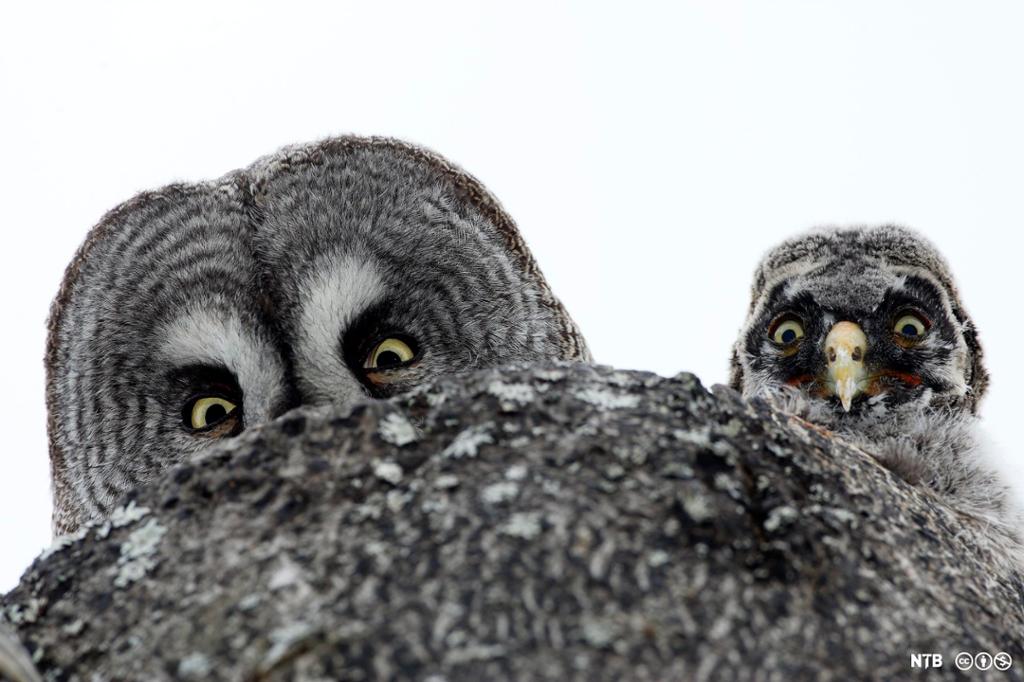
860, 321
327, 273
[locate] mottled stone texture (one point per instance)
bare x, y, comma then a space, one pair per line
557, 523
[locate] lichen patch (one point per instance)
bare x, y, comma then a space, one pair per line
607, 399
397, 430
138, 553
468, 442
388, 471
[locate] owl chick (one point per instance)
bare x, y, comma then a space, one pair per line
323, 274
862, 331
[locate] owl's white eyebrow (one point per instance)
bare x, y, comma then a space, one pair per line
201, 336
205, 337
339, 288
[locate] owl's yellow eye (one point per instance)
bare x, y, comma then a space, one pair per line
786, 331
389, 354
910, 326
209, 411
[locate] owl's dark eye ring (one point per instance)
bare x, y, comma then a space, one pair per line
380, 353
786, 330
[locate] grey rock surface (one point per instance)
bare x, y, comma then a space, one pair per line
566, 522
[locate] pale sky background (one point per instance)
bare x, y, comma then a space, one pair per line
649, 152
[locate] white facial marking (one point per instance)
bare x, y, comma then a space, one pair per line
339, 289
207, 337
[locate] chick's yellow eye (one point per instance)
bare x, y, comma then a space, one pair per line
388, 354
910, 326
787, 332
209, 411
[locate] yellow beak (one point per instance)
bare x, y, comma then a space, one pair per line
845, 346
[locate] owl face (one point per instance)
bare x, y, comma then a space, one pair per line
860, 321
325, 274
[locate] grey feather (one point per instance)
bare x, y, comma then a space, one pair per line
266, 276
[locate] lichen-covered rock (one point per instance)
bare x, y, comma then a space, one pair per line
564, 522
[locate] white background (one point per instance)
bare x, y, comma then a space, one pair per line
649, 152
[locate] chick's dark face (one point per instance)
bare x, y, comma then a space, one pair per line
857, 336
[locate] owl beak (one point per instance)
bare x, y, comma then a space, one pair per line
845, 346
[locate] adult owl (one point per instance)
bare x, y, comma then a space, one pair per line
322, 274
862, 331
